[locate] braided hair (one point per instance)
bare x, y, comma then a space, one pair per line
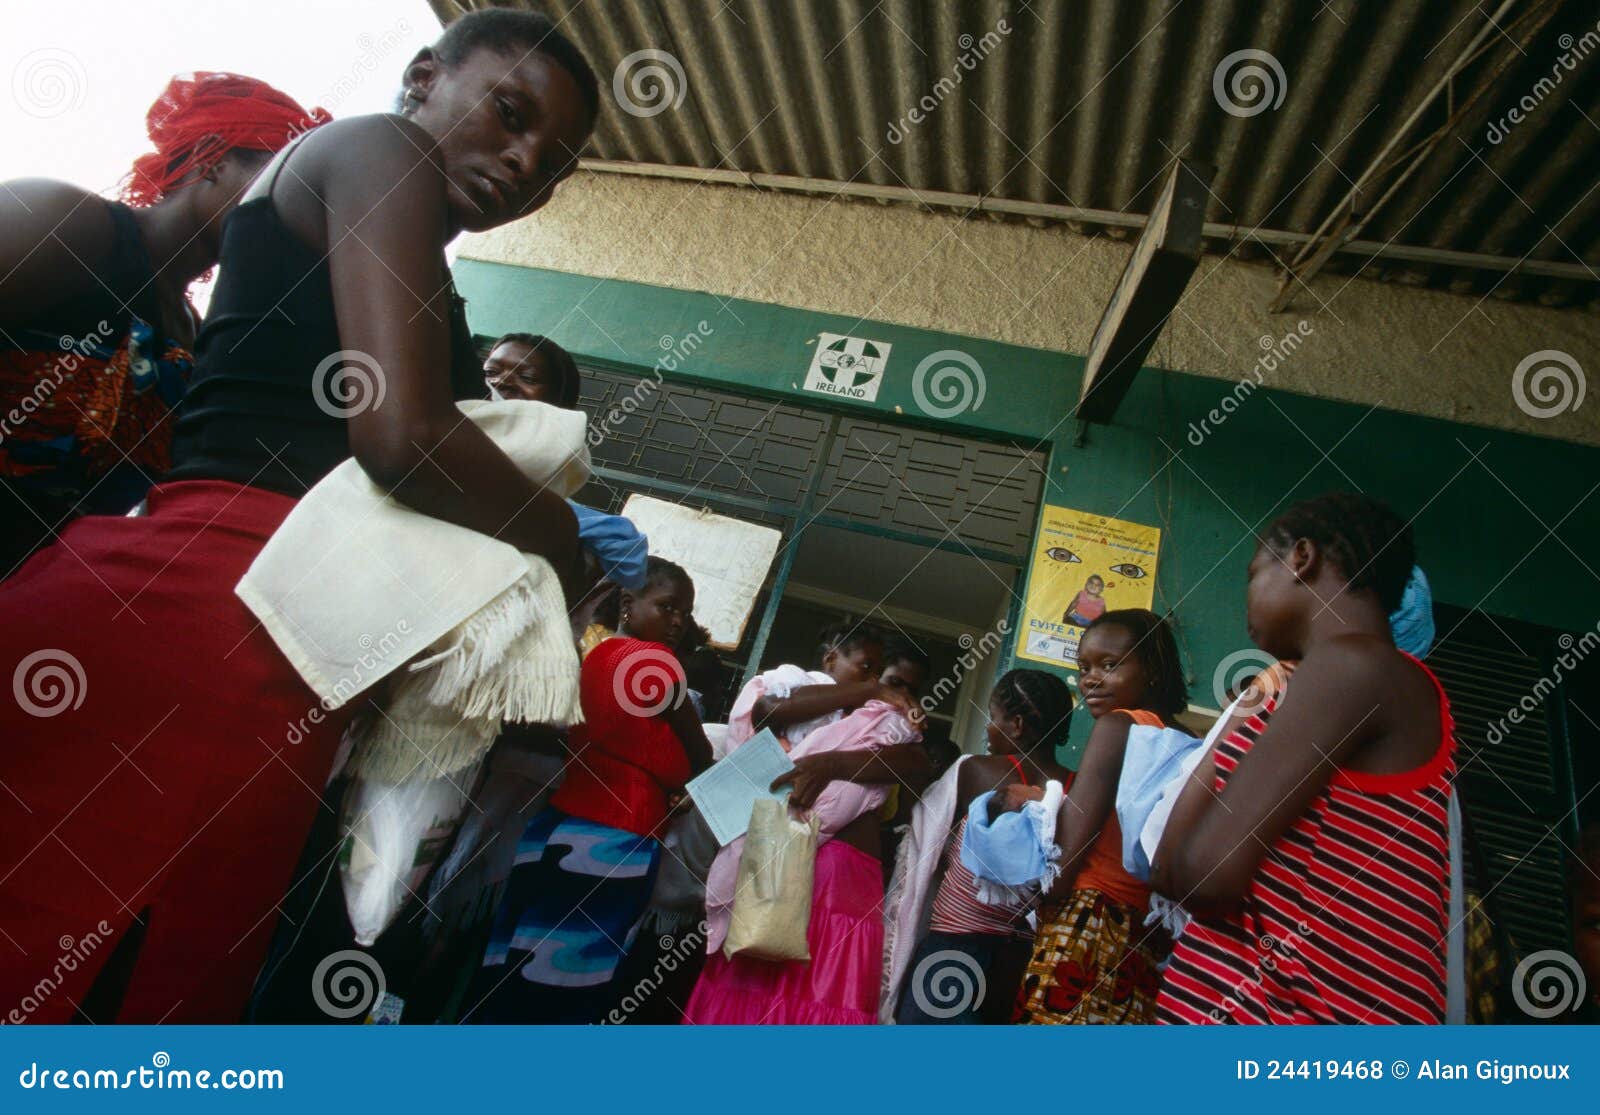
1157, 652
1042, 701
1364, 537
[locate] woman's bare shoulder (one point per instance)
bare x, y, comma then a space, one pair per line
54, 236
381, 150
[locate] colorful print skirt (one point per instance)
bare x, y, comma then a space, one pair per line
1094, 962
577, 893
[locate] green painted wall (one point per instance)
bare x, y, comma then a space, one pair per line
757, 347
1505, 522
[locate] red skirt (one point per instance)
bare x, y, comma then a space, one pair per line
162, 761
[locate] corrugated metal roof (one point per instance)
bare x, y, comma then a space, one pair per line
1085, 104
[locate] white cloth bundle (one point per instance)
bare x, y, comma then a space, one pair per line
908, 897
394, 834
354, 585
1163, 910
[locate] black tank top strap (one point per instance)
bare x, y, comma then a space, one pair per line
281, 161
273, 386
131, 259
123, 287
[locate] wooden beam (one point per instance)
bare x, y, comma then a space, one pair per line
1163, 260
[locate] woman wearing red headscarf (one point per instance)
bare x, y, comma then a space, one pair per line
163, 760
95, 321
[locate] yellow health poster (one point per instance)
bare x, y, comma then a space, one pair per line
1083, 566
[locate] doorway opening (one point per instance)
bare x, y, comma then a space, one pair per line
922, 534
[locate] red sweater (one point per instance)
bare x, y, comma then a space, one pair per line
625, 760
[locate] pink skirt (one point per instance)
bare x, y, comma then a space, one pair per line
839, 987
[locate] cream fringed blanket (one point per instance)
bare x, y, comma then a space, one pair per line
354, 586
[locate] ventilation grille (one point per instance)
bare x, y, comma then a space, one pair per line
1516, 779
905, 479
932, 486
713, 441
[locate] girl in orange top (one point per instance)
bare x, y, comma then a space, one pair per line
1093, 958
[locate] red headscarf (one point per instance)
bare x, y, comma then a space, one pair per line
200, 117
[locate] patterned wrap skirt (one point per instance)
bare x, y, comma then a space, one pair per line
577, 893
1094, 962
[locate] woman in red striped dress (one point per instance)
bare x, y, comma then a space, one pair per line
1312, 846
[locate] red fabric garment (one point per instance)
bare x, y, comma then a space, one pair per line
92, 399
200, 117
625, 759
171, 762
956, 908
1346, 919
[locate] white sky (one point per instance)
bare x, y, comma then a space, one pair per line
77, 76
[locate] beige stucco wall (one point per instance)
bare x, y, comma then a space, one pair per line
1426, 352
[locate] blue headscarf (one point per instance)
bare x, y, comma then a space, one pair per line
623, 551
1412, 622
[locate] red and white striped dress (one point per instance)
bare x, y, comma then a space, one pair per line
956, 908
1345, 920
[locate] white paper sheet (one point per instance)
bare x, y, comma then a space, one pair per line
727, 791
728, 559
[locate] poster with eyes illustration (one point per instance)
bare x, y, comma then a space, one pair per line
1084, 565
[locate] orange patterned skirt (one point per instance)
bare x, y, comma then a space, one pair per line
1093, 962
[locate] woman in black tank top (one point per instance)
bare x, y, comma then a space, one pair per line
165, 749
